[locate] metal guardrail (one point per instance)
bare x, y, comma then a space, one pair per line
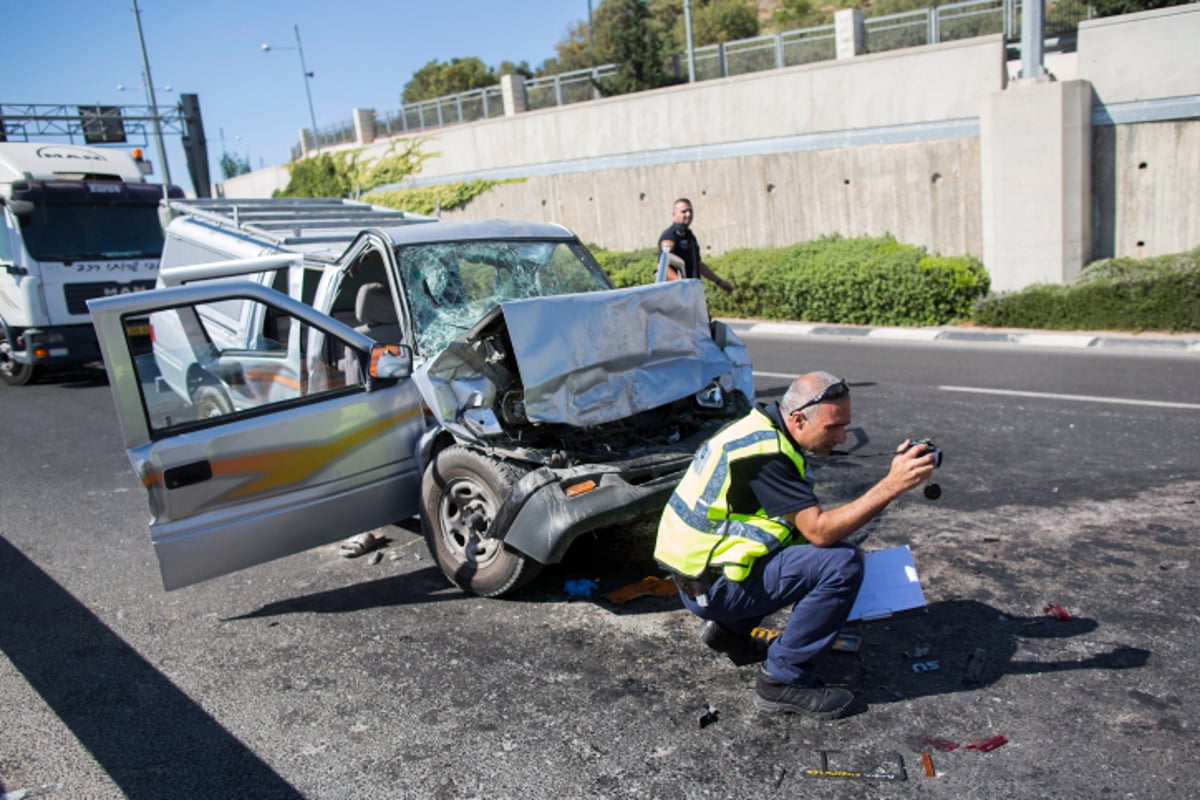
786, 49
567, 87
452, 109
944, 23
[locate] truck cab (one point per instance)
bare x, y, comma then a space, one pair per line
317, 368
75, 223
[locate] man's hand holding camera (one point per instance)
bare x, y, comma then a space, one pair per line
914, 462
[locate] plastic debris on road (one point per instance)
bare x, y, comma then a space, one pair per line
1056, 611
649, 585
580, 587
945, 745
987, 743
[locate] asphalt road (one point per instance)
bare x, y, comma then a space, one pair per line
321, 677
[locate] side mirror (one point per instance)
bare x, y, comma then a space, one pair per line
391, 362
21, 208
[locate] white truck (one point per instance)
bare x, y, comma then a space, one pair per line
75, 223
320, 368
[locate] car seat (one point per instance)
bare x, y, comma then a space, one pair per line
376, 313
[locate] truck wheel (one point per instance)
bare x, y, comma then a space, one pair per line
14, 373
210, 401
460, 495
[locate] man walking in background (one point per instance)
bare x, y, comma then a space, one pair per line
678, 240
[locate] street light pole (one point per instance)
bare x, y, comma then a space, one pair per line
691, 51
158, 137
312, 115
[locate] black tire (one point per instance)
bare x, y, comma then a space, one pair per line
210, 401
460, 494
14, 373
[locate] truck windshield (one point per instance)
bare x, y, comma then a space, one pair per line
452, 285
77, 232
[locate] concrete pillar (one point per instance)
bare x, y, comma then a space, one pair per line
364, 126
1035, 146
308, 143
849, 33
512, 88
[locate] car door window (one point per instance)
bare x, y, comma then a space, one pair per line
197, 362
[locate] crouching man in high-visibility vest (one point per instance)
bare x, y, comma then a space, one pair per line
745, 536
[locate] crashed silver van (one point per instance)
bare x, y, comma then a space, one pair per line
319, 368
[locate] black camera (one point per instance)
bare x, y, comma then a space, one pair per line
927, 446
932, 490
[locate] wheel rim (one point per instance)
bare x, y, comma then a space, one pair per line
465, 511
209, 409
7, 365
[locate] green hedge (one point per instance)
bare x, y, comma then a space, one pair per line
868, 281
429, 200
1160, 294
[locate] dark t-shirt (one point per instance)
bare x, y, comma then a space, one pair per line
770, 482
683, 244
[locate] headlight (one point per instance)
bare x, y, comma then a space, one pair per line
713, 396
43, 338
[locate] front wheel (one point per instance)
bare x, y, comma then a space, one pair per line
13, 372
210, 401
460, 495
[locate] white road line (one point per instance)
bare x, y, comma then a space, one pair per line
787, 377
1080, 397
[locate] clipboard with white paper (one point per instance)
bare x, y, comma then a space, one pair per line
890, 584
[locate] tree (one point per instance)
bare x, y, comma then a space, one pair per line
637, 48
1108, 8
793, 14
438, 78
232, 165
584, 48
509, 68
713, 22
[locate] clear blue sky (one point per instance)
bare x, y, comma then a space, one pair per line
361, 51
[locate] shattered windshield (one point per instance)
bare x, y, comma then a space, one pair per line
452, 285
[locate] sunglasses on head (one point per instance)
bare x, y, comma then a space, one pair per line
834, 391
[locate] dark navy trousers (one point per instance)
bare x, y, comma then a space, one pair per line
822, 582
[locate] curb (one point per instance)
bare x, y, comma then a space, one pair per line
1179, 344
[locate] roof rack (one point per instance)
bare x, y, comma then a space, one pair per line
296, 220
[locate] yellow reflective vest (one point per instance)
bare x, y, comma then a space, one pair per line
698, 531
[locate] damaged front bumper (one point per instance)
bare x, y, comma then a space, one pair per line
549, 508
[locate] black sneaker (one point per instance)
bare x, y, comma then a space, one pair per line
742, 649
819, 702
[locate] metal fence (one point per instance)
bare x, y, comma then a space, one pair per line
567, 87
967, 19
450, 109
944, 23
786, 49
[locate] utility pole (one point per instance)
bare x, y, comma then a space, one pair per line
691, 51
312, 116
1033, 38
158, 137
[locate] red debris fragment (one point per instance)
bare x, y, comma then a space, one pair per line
1056, 611
945, 745
984, 745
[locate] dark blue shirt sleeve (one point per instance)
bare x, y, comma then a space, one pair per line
771, 483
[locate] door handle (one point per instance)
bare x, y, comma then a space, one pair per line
187, 474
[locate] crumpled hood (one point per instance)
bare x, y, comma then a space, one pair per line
585, 359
